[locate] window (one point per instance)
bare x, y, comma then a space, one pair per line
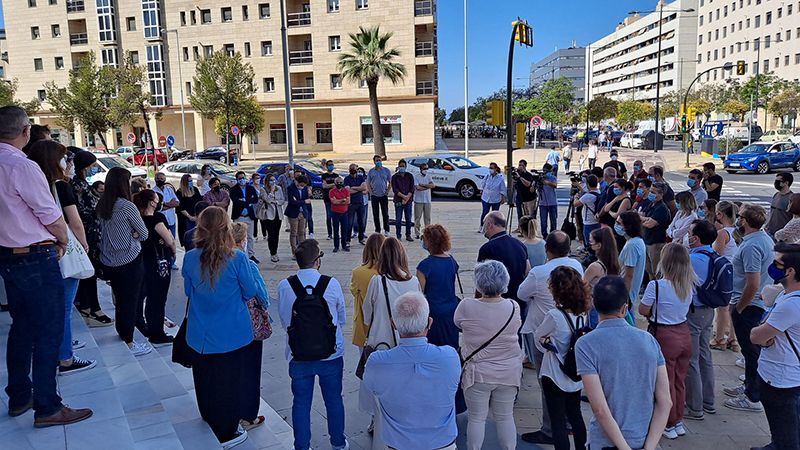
229, 49
333, 6
37, 64
59, 62
789, 10
786, 60
151, 19
188, 88
724, 32
335, 43
269, 84
701, 21
55, 30
747, 23
183, 18
52, 2
362, 4
193, 17
768, 18
108, 57
300, 135
699, 57
31, 3
797, 58
725, 11
42, 94
135, 57
766, 66
130, 23
35, 33
716, 54
788, 35
758, 21
777, 62
105, 18
324, 133
196, 53
766, 41
277, 133
205, 16
263, 10
155, 75
723, 52
245, 13
227, 14
185, 53
780, 13
208, 50
266, 48
755, 67
246, 49
391, 126
700, 39
362, 84
336, 81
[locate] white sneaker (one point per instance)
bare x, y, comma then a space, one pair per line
670, 433
345, 447
311, 235
742, 403
741, 378
386, 233
76, 344
740, 362
241, 436
680, 429
139, 349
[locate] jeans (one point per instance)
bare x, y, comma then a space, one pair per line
401, 209
302, 374
156, 289
480, 398
783, 415
566, 164
381, 203
126, 284
357, 220
421, 211
250, 380
70, 289
742, 324
486, 206
538, 357
340, 229
310, 218
35, 293
591, 162
700, 380
297, 231
251, 224
328, 217
563, 407
544, 213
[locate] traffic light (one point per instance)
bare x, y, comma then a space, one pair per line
520, 134
683, 123
497, 113
691, 113
524, 33
740, 67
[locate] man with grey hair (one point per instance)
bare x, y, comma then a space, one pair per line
32, 239
509, 251
415, 383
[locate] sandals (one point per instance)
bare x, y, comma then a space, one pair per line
733, 346
96, 319
719, 344
248, 425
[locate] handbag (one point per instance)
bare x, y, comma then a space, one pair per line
74, 263
458, 278
369, 349
652, 325
262, 329
487, 343
182, 353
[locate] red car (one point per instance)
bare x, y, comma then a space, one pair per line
139, 159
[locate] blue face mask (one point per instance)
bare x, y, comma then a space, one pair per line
640, 192
691, 182
423, 244
190, 184
637, 168
92, 171
401, 169
677, 205
653, 179
619, 229
651, 196
701, 213
378, 164
617, 191
775, 273
241, 181
330, 168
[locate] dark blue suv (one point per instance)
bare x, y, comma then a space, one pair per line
312, 169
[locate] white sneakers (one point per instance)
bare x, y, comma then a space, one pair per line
241, 436
740, 362
139, 349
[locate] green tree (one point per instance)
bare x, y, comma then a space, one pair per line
787, 102
440, 117
223, 85
629, 112
704, 107
132, 100
600, 108
8, 92
768, 86
87, 98
735, 107
556, 99
249, 117
370, 59
457, 115
525, 108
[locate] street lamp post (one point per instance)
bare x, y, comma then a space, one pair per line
466, 88
726, 66
757, 45
180, 81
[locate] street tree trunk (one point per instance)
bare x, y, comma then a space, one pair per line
149, 137
103, 140
377, 131
227, 136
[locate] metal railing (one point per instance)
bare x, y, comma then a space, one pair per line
75, 6
424, 48
301, 57
78, 39
301, 19
423, 8
426, 88
303, 93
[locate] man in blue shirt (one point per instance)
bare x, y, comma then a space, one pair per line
358, 189
378, 188
415, 383
700, 378
329, 370
509, 251
548, 203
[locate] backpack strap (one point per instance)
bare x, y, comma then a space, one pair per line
297, 287
791, 342
322, 285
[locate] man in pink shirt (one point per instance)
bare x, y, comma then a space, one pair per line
33, 236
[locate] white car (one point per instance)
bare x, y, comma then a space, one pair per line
631, 140
175, 170
126, 152
107, 161
451, 173
796, 138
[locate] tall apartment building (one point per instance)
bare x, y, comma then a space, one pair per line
765, 34
569, 63
3, 54
47, 38
623, 65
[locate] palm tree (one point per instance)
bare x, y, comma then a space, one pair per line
369, 60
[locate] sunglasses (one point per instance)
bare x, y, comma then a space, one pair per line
321, 254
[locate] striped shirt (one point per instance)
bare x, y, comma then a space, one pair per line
118, 246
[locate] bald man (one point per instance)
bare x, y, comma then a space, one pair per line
508, 250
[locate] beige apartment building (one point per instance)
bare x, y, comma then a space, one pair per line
765, 34
47, 38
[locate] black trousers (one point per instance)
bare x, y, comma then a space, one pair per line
562, 407
86, 297
383, 204
743, 323
126, 283
155, 289
273, 230
782, 408
250, 380
218, 392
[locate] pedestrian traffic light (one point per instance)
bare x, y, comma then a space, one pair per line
691, 113
740, 67
524, 33
497, 113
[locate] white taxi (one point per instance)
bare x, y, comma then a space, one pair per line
451, 173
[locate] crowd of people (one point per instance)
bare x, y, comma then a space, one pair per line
701, 273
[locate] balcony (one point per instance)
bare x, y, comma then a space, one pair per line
78, 39
301, 57
300, 19
303, 93
423, 49
423, 8
426, 88
75, 6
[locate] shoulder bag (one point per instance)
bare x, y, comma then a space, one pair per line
458, 278
652, 325
369, 349
262, 329
182, 353
487, 343
75, 263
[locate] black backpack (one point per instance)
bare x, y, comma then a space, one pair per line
312, 334
579, 328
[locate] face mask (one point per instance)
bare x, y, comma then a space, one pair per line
677, 205
651, 196
423, 244
423, 171
637, 168
291, 174
691, 182
190, 184
339, 185
215, 188
617, 191
242, 182
775, 273
92, 171
71, 173
378, 164
619, 229
401, 169
272, 181
63, 164
613, 157
160, 183
640, 192
362, 174
353, 172
701, 213
778, 185
653, 179
330, 168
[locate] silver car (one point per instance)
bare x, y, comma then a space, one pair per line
174, 170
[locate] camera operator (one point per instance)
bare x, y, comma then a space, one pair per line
548, 203
526, 190
589, 196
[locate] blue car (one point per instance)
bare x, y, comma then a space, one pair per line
312, 169
761, 157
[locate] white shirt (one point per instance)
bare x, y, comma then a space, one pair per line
422, 196
534, 290
778, 364
169, 195
592, 151
679, 228
670, 309
555, 325
589, 201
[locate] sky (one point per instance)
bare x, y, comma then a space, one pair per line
555, 24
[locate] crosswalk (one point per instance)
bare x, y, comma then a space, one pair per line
733, 194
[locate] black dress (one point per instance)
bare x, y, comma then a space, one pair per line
186, 204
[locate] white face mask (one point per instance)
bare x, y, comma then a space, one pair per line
63, 164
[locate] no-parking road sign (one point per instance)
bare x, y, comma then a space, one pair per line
536, 121
131, 137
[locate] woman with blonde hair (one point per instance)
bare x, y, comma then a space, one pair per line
218, 281
532, 238
359, 283
666, 303
725, 245
188, 197
686, 214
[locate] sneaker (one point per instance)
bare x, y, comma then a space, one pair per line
741, 378
409, 238
329, 237
740, 362
537, 437
241, 436
161, 341
274, 258
64, 416
670, 433
362, 242
346, 248
742, 403
709, 410
386, 233
139, 349
680, 429
734, 391
346, 446
255, 238
76, 344
335, 249
693, 415
255, 260
78, 365
311, 235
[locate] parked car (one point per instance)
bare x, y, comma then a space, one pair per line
179, 153
795, 138
742, 133
631, 140
127, 151
761, 157
776, 135
312, 169
174, 170
451, 173
217, 153
106, 161
139, 157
